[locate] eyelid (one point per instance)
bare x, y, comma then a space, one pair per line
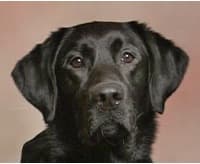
73, 57
133, 51
69, 58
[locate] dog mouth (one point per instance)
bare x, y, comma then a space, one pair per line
111, 133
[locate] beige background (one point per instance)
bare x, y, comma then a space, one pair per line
25, 24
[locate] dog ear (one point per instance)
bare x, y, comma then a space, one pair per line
167, 65
34, 75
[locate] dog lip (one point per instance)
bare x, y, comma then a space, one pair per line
103, 108
109, 129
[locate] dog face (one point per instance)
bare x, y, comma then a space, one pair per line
107, 75
104, 75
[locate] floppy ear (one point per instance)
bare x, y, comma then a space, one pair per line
167, 65
34, 75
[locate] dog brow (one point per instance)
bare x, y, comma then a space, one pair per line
116, 45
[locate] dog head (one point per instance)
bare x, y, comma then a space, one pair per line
104, 75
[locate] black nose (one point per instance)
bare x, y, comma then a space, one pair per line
108, 95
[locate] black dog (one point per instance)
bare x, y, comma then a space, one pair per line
99, 86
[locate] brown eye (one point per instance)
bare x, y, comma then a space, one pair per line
127, 57
76, 62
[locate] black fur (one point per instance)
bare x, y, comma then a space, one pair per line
103, 108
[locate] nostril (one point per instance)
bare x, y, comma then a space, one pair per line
102, 97
107, 96
117, 96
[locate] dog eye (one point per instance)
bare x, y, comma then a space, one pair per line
77, 62
127, 57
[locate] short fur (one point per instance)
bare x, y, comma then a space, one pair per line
78, 128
